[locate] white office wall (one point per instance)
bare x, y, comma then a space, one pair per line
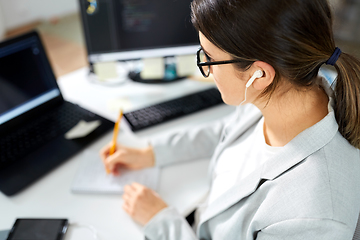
2, 25
334, 3
21, 12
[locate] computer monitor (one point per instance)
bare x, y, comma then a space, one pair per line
119, 30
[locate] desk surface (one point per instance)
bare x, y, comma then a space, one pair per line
50, 197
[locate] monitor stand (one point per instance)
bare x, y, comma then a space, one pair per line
135, 76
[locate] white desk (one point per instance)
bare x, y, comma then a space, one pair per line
50, 197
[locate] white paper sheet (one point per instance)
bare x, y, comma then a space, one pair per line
91, 177
82, 129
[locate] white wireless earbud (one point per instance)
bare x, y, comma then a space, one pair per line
257, 74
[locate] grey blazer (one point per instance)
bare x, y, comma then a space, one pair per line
309, 190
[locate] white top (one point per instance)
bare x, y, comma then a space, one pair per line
239, 160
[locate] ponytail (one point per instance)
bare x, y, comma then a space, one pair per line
347, 98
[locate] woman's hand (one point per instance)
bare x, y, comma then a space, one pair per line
141, 203
130, 158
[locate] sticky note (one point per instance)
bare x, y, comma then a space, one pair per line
153, 68
82, 129
105, 70
185, 65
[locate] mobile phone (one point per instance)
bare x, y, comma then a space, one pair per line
38, 229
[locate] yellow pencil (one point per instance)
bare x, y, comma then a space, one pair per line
115, 135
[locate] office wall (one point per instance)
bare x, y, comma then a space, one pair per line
347, 21
2, 26
334, 3
17, 13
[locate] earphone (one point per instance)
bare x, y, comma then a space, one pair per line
257, 74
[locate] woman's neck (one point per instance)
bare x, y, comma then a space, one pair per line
291, 113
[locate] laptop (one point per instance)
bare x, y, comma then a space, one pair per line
34, 117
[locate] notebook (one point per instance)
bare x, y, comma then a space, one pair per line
91, 176
34, 117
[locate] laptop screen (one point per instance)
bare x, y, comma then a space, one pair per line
25, 82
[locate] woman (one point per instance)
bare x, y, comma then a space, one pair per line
287, 164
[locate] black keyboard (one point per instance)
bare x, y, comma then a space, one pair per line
43, 129
165, 111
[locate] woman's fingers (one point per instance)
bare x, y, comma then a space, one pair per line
130, 158
112, 160
141, 203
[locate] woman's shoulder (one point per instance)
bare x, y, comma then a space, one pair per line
337, 163
343, 164
340, 148
330, 177
325, 185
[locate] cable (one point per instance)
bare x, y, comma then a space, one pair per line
90, 227
245, 97
256, 75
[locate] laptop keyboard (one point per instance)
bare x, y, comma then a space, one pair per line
37, 133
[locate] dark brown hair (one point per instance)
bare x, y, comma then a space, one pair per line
294, 36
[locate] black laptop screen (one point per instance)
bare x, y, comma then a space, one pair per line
24, 80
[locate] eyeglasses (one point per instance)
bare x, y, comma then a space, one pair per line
204, 62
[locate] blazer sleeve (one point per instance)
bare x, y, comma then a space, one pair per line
168, 224
197, 143
307, 228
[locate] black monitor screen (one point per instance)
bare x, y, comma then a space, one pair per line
124, 25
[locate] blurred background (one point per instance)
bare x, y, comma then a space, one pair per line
59, 24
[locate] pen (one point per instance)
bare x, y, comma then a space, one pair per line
115, 135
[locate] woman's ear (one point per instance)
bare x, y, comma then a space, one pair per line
268, 75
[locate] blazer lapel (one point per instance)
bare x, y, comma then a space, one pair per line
242, 189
